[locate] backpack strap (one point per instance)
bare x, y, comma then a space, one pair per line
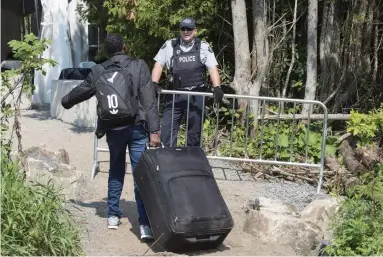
128, 61
106, 64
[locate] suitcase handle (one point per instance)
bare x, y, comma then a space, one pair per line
204, 239
153, 147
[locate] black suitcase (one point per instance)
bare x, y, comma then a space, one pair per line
184, 204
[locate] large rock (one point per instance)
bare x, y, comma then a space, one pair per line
320, 213
275, 223
42, 165
51, 158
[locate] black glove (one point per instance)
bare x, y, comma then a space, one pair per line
217, 94
157, 88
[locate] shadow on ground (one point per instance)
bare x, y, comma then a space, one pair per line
80, 130
129, 211
44, 114
38, 115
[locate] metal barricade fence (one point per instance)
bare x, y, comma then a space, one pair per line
241, 136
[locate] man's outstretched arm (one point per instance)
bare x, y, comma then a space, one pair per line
81, 93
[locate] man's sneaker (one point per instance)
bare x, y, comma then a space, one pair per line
113, 222
146, 232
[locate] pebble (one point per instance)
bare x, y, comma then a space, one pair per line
297, 194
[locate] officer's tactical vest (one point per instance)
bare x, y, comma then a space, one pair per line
187, 69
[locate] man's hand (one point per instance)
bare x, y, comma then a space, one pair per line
157, 87
218, 94
155, 139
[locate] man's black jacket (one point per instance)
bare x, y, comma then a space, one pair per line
143, 88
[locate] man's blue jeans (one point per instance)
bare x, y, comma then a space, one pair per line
135, 138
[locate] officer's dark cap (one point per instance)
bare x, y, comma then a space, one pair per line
188, 23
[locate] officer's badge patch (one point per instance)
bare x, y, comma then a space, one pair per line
163, 46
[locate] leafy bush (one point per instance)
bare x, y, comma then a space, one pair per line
33, 218
366, 126
20, 80
358, 227
283, 137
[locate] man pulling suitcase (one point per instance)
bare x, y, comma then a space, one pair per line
127, 113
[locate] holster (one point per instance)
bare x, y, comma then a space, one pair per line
172, 84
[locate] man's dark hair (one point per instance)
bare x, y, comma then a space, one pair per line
113, 43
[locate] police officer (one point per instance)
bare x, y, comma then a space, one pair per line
187, 58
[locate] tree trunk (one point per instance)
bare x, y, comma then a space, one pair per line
368, 37
311, 76
242, 51
376, 51
260, 53
346, 47
284, 90
356, 69
329, 49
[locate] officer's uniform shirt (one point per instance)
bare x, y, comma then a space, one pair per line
164, 55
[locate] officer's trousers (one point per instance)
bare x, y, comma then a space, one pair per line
180, 109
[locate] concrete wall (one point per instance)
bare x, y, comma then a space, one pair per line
80, 115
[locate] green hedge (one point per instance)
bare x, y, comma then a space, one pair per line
33, 218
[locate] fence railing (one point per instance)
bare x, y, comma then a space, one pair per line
264, 130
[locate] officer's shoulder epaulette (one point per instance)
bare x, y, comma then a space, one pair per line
205, 43
166, 43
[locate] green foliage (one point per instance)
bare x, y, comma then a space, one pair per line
279, 141
19, 81
33, 218
269, 140
146, 25
358, 226
150, 15
28, 51
366, 127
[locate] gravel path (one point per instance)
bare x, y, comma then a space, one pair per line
236, 187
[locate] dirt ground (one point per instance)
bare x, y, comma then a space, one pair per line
38, 128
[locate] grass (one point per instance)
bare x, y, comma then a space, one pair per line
33, 218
